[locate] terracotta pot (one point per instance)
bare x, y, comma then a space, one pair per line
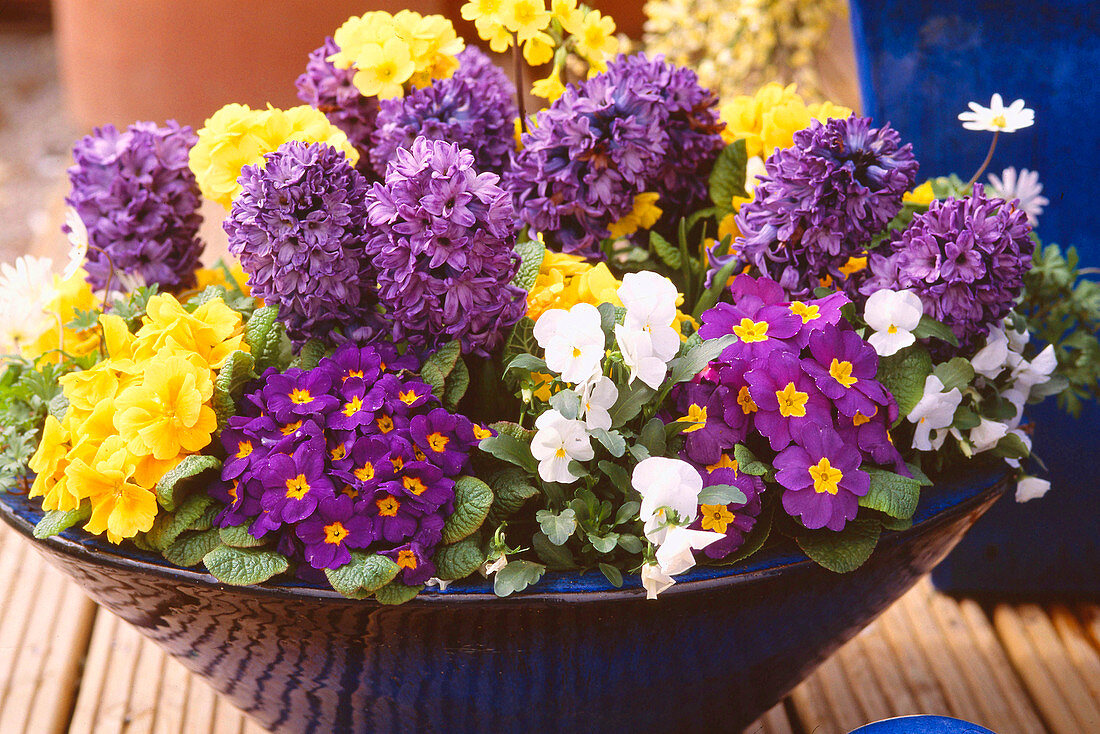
714, 652
127, 60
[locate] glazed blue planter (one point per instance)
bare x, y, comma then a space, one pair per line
921, 725
713, 653
920, 63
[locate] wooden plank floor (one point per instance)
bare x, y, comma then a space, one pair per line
66, 666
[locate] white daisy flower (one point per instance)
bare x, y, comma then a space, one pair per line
997, 118
1024, 186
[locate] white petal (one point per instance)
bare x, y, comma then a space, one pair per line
886, 343
654, 580
1030, 488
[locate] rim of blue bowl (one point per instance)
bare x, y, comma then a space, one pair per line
558, 586
926, 724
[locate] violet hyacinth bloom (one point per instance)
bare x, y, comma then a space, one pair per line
734, 520
298, 229
822, 201
966, 259
333, 92
787, 399
332, 531
822, 480
844, 367
138, 199
441, 239
475, 108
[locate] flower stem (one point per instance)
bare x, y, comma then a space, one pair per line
985, 163
517, 61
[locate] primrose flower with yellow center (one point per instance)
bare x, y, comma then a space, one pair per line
922, 195
525, 18
787, 399
119, 506
213, 331
549, 88
821, 479
595, 40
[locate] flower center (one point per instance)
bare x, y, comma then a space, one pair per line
696, 416
290, 428
859, 419
244, 449
842, 372
792, 403
365, 473
397, 462
999, 121
408, 397
560, 453
716, 518
233, 491
300, 397
335, 533
576, 352
480, 433
338, 453
892, 329
725, 463
297, 487
385, 424
826, 477
750, 331
437, 442
353, 373
806, 312
744, 399
406, 559
350, 491
353, 406
388, 506
414, 485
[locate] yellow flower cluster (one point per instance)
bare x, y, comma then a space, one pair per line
135, 415
70, 295
237, 136
769, 119
388, 51
643, 216
737, 45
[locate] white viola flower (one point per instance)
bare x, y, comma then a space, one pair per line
558, 441
675, 556
666, 485
573, 341
892, 315
650, 301
1036, 372
437, 583
986, 434
1031, 488
934, 412
1024, 186
636, 347
491, 567
996, 118
597, 399
991, 359
654, 580
25, 290
1025, 440
1017, 340
78, 243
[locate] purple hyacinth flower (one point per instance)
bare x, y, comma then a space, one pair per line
330, 533
444, 438
844, 368
735, 520
295, 485
702, 408
787, 399
821, 478
298, 394
414, 561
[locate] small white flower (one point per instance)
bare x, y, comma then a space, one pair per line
78, 243
1036, 372
597, 399
438, 583
675, 556
650, 301
986, 434
934, 412
557, 442
1030, 488
1017, 340
25, 289
639, 355
573, 340
1025, 440
1024, 186
654, 580
666, 484
997, 117
892, 315
992, 358
491, 567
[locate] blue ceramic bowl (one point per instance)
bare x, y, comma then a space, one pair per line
714, 652
921, 725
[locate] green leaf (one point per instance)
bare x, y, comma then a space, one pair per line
395, 593
756, 538
527, 363
727, 178
177, 482
903, 374
58, 521
965, 418
721, 494
619, 476
266, 339
511, 488
955, 373
473, 498
747, 463
439, 365
557, 557
230, 382
512, 450
1011, 446
568, 403
515, 430
456, 384
521, 340
653, 437
517, 576
696, 358
191, 547
309, 356
632, 398
665, 250
929, 327
238, 536
842, 551
531, 254
169, 525
627, 512
613, 441
57, 407
609, 316
362, 575
631, 543
244, 566
557, 527
458, 560
612, 574
891, 494
603, 543
717, 286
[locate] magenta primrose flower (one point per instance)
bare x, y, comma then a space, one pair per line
844, 368
821, 478
332, 531
787, 399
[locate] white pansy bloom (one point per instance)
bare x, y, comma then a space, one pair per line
573, 341
25, 289
991, 359
1031, 488
1023, 186
892, 315
1025, 440
675, 556
654, 580
986, 434
438, 583
558, 441
997, 118
491, 567
78, 243
1036, 372
666, 484
650, 301
1017, 340
597, 399
934, 413
639, 356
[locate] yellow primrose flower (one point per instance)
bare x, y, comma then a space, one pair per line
549, 88
643, 216
119, 506
382, 69
525, 18
49, 464
212, 332
148, 470
921, 195
236, 136
538, 49
568, 14
770, 118
216, 276
167, 413
596, 41
498, 37
70, 294
476, 10
87, 389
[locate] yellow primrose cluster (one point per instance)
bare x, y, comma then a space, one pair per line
388, 51
237, 136
736, 45
769, 119
643, 216
504, 23
134, 416
70, 294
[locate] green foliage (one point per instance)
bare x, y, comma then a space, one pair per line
954, 373
903, 374
28, 392
929, 327
517, 576
439, 365
237, 536
665, 250
191, 547
362, 575
174, 486
244, 566
309, 356
55, 522
473, 498
612, 574
458, 560
267, 340
747, 463
721, 494
557, 557
531, 253
727, 178
395, 593
229, 384
456, 384
558, 527
169, 525
844, 551
511, 488
891, 494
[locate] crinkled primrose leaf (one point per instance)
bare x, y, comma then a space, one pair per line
174, 486
842, 551
891, 493
55, 522
458, 560
244, 566
395, 593
191, 547
362, 575
473, 498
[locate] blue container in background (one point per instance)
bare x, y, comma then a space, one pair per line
921, 725
920, 63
